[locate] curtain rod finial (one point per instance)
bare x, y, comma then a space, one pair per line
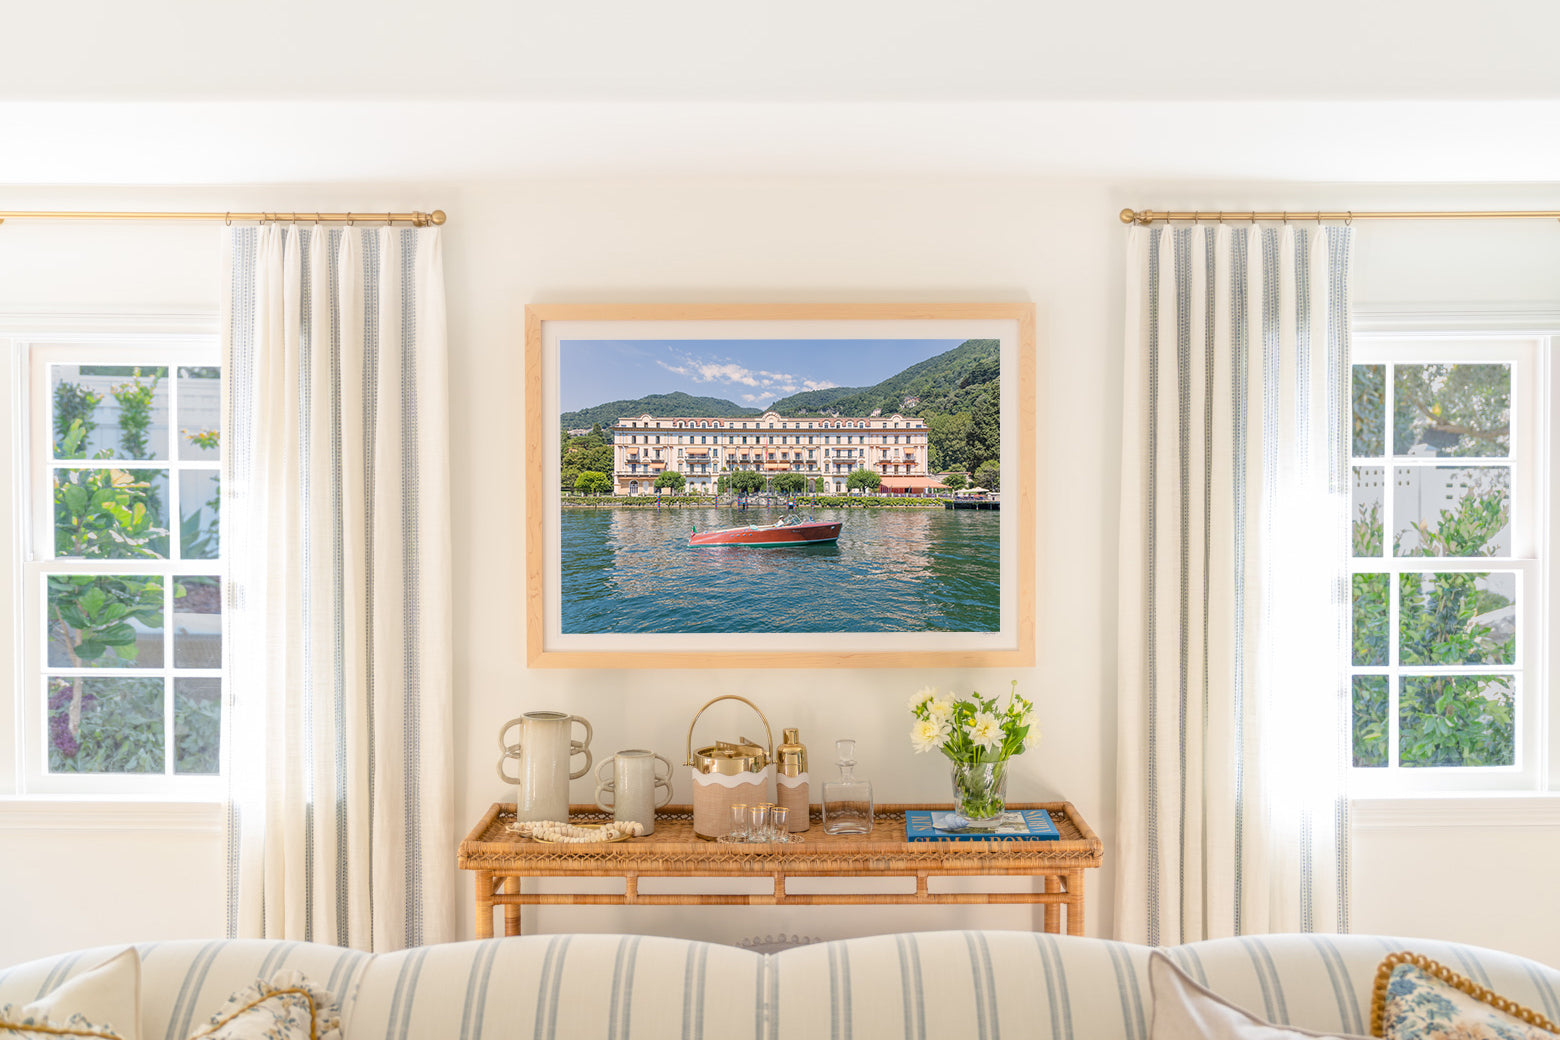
435, 219
1128, 216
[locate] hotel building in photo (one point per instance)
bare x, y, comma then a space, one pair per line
824, 449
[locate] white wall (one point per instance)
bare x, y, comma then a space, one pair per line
513, 243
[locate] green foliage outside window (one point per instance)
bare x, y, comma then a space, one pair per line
104, 724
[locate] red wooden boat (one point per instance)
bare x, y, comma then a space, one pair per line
792, 530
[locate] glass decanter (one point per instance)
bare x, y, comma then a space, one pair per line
847, 801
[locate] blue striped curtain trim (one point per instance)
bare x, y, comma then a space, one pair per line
1340, 356
1183, 351
411, 576
338, 589
1240, 412
237, 387
1150, 571
370, 244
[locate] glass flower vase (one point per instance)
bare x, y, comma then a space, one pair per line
979, 793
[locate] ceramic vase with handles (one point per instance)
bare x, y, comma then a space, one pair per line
542, 753
630, 786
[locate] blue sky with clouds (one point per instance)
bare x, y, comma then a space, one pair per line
752, 373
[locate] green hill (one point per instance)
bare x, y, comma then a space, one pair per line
953, 381
814, 402
673, 404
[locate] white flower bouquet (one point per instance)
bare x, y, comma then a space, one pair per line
974, 729
978, 735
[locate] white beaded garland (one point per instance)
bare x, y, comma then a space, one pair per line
573, 834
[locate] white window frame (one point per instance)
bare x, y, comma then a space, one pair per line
1528, 347
173, 342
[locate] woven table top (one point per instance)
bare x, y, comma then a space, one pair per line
674, 849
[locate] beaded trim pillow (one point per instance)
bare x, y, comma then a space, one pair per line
288, 1007
1417, 999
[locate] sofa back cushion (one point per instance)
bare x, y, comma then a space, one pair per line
184, 982
611, 987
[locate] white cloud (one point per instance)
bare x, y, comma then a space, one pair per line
724, 372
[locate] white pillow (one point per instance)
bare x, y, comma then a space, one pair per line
1183, 1010
104, 1001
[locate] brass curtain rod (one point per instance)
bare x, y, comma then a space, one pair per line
1144, 217
414, 218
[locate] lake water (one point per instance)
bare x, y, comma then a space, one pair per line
892, 570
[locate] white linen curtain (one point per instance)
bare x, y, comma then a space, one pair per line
335, 482
1233, 710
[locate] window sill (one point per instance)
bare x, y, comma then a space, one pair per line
1459, 810
102, 814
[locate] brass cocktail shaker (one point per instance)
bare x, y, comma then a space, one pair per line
792, 789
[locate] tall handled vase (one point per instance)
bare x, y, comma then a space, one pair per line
542, 752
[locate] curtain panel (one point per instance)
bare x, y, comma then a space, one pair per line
1233, 709
336, 519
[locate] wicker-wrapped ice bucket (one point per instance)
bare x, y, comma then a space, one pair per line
727, 773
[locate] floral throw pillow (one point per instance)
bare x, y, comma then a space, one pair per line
1417, 999
288, 1007
15, 1024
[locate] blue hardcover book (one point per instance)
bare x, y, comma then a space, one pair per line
1015, 825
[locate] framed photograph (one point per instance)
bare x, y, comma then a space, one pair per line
799, 485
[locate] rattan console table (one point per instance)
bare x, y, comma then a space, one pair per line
500, 859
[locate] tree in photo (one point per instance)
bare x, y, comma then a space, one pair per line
671, 480
988, 475
589, 483
788, 483
955, 482
862, 479
742, 482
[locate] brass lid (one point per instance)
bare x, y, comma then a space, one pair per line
730, 759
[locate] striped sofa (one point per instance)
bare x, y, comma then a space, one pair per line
916, 985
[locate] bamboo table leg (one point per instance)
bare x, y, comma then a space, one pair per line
1053, 911
511, 910
484, 904
1075, 903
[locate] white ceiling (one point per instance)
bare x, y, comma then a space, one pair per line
183, 91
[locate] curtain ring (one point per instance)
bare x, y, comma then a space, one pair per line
227, 218
1221, 216
388, 221
350, 221
1348, 218
1285, 216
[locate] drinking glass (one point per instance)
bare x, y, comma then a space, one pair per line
759, 828
779, 823
739, 822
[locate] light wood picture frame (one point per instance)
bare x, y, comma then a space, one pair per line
723, 346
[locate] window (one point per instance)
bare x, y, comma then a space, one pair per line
122, 578
1449, 591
